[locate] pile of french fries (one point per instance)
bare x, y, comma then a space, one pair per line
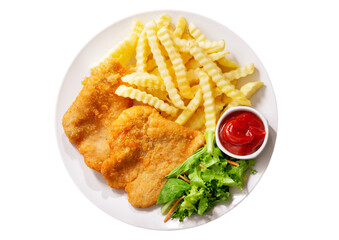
181, 73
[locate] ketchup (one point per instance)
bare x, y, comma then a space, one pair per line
242, 133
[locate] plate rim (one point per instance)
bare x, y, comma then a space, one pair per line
136, 15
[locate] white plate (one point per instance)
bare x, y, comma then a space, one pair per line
93, 186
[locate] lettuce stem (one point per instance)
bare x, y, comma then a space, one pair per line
209, 136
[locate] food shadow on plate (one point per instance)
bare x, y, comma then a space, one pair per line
100, 185
260, 166
264, 158
94, 180
75, 157
69, 148
116, 192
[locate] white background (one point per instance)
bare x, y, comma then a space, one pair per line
297, 41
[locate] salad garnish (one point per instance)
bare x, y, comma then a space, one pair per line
202, 181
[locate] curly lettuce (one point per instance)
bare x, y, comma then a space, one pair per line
210, 175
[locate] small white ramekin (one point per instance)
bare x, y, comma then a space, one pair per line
236, 109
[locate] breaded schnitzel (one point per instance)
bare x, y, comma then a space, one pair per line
145, 147
87, 122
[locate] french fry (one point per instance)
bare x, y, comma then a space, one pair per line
146, 98
192, 64
212, 46
196, 33
219, 105
216, 92
151, 65
195, 89
163, 21
124, 50
240, 72
187, 36
227, 63
197, 121
209, 104
163, 51
217, 55
144, 79
160, 61
216, 74
156, 72
250, 88
183, 45
141, 53
226, 100
162, 95
232, 103
185, 57
193, 76
190, 109
180, 27
178, 65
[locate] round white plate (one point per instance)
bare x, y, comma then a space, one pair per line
91, 183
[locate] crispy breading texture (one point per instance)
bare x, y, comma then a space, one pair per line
86, 123
145, 147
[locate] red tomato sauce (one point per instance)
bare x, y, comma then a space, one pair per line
242, 133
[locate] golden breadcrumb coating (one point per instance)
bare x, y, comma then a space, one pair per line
145, 147
87, 122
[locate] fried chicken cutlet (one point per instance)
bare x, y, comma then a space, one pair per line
145, 147
87, 122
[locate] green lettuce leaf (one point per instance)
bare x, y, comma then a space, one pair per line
173, 189
195, 177
189, 163
192, 198
203, 205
